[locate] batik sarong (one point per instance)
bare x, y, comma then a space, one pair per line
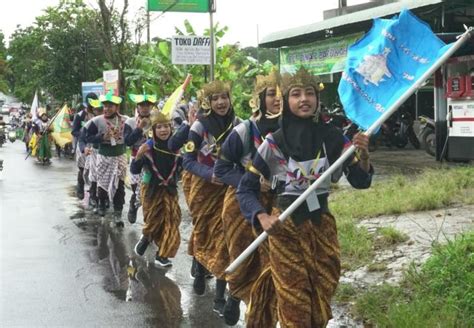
206, 201
110, 170
162, 216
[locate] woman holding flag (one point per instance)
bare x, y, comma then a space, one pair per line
40, 143
215, 121
161, 212
304, 251
236, 154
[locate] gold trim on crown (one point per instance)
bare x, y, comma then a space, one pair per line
209, 89
157, 117
302, 77
263, 82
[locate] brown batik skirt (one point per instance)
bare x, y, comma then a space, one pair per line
302, 277
162, 216
239, 234
206, 201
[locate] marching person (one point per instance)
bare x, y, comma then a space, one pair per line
90, 152
236, 154
215, 121
42, 141
176, 142
161, 212
27, 130
80, 119
303, 251
107, 131
134, 136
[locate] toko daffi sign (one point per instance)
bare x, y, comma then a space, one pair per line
191, 50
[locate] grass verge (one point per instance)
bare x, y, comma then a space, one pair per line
440, 294
430, 190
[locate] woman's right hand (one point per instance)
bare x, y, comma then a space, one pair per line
142, 150
268, 222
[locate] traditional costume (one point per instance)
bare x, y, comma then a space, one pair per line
135, 136
80, 119
303, 251
107, 132
41, 142
161, 211
236, 154
206, 198
90, 164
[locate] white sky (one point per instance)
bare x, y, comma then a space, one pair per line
241, 16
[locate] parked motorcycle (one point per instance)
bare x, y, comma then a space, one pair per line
427, 135
398, 131
337, 117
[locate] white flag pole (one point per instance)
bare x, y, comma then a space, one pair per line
345, 156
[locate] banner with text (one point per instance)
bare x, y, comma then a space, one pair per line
191, 50
194, 6
321, 57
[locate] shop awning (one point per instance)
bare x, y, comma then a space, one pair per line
362, 19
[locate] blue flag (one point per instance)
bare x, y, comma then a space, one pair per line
384, 64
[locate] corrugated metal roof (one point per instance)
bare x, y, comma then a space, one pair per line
284, 38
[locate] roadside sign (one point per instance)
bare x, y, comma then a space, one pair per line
191, 50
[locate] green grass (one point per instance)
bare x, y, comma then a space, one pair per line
390, 236
440, 294
429, 190
345, 293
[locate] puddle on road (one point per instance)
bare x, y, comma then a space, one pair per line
166, 292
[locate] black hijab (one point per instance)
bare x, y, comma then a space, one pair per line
265, 125
164, 162
303, 138
216, 124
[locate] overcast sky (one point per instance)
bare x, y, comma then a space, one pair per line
241, 16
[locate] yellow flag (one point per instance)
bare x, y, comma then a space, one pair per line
62, 128
175, 97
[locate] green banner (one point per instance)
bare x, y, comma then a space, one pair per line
321, 57
194, 6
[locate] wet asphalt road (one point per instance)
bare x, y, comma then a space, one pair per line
62, 265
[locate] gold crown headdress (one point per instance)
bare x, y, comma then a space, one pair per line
302, 77
263, 82
156, 117
208, 90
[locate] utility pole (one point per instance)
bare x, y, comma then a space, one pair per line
147, 26
212, 9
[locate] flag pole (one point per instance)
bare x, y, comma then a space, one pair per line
345, 156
